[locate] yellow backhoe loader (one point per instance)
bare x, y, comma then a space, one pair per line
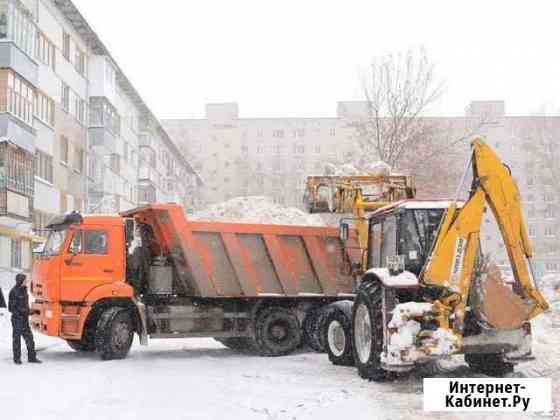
356, 196
427, 292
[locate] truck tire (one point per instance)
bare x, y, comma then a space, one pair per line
239, 344
367, 331
83, 345
492, 364
312, 329
277, 331
114, 333
337, 332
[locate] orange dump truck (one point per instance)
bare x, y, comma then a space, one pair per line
150, 271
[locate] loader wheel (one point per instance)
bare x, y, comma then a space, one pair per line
277, 331
239, 344
489, 364
337, 333
82, 345
114, 333
312, 329
367, 331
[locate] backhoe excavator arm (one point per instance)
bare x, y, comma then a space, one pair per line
453, 258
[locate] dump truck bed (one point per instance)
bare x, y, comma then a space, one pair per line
213, 259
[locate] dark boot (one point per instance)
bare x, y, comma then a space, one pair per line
17, 362
35, 360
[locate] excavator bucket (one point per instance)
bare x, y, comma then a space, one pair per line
325, 194
497, 304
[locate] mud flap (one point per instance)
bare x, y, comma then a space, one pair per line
143, 330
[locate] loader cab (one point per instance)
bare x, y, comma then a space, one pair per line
406, 231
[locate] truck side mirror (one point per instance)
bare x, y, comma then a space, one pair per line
129, 227
343, 232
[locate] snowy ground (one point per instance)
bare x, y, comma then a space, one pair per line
200, 379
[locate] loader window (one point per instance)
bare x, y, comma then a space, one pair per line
95, 242
417, 232
388, 239
374, 251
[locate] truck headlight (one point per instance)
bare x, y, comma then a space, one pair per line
48, 314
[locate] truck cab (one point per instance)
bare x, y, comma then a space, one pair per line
84, 258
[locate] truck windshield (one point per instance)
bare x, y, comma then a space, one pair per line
54, 242
417, 234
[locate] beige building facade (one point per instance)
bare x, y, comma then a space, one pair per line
272, 156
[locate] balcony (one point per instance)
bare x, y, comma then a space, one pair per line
17, 186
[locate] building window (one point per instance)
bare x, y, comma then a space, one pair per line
80, 62
548, 198
299, 132
115, 163
20, 96
317, 149
81, 111
64, 152
44, 108
550, 213
44, 166
66, 45
532, 231
45, 50
16, 166
332, 132
16, 253
278, 134
549, 231
299, 148
125, 151
78, 159
65, 97
260, 149
551, 267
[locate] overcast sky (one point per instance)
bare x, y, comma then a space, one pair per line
299, 57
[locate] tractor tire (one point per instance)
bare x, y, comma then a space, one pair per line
367, 331
277, 331
492, 364
238, 344
312, 329
337, 332
114, 333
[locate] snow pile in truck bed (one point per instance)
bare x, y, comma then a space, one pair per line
378, 168
257, 209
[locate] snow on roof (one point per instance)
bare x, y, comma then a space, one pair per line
427, 204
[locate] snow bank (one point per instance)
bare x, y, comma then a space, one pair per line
257, 209
404, 279
550, 287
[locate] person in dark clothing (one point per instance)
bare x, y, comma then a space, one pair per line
18, 305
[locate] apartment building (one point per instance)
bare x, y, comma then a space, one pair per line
259, 156
272, 156
74, 133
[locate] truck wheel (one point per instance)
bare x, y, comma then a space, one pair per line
337, 333
312, 329
367, 329
277, 331
239, 344
114, 333
489, 364
83, 345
